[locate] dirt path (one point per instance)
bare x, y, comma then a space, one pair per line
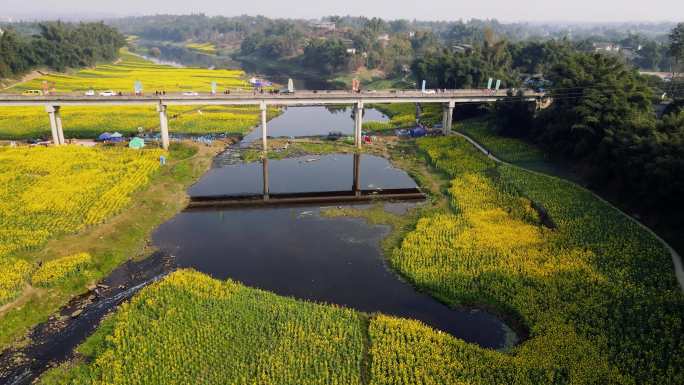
28, 77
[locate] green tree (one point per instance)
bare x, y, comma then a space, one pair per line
328, 55
676, 50
595, 97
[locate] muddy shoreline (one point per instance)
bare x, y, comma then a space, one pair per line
54, 341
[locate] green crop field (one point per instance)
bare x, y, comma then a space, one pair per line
509, 149
89, 122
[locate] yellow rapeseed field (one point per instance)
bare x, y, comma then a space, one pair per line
89, 122
596, 293
192, 329
13, 275
45, 191
56, 270
206, 48
48, 191
123, 75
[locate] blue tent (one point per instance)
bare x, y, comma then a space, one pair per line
418, 131
116, 137
104, 137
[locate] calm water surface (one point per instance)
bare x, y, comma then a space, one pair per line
296, 252
333, 172
313, 121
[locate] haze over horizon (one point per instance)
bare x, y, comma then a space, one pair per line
520, 11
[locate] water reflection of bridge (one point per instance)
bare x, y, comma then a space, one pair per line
354, 194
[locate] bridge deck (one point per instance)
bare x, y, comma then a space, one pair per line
250, 98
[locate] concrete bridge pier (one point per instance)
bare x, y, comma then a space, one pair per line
357, 174
55, 124
358, 123
447, 117
163, 125
264, 165
264, 128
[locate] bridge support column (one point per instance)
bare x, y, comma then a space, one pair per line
447, 118
60, 131
264, 165
55, 124
163, 125
264, 127
357, 174
358, 123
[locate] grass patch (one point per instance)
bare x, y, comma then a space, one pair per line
281, 149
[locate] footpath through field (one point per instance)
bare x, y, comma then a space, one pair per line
676, 258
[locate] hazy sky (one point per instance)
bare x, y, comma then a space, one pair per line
505, 10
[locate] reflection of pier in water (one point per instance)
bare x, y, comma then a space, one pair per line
354, 194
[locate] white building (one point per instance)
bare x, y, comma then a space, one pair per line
324, 25
606, 47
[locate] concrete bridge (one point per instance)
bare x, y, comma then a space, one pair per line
447, 98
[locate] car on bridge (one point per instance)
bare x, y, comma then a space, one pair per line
89, 93
190, 93
32, 93
108, 93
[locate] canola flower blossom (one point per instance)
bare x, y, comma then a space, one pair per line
57, 270
89, 122
13, 275
190, 328
47, 191
597, 293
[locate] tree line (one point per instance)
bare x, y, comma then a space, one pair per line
602, 119
58, 46
287, 39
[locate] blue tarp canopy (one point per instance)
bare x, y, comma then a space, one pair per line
104, 136
116, 137
418, 131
